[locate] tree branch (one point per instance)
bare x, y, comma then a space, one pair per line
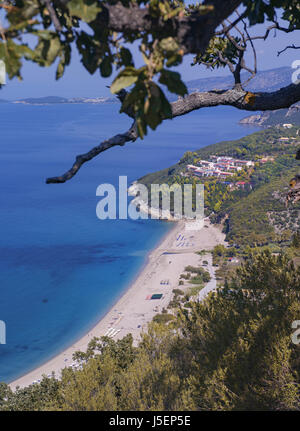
52, 14
236, 97
287, 47
231, 24
192, 32
117, 140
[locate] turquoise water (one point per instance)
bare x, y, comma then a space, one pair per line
61, 268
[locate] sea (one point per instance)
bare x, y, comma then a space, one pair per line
61, 268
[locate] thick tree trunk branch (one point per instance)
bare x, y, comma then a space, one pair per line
192, 32
53, 15
239, 98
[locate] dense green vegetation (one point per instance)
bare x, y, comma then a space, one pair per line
249, 223
202, 276
255, 215
263, 143
231, 352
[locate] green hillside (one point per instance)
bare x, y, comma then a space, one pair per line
256, 214
261, 217
271, 118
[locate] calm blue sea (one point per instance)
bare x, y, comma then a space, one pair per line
61, 268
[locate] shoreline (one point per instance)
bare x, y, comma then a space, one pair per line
133, 310
82, 339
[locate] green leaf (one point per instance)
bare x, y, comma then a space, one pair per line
24, 12
174, 60
65, 58
90, 50
142, 128
60, 70
156, 107
12, 53
87, 10
169, 44
173, 82
126, 77
48, 48
106, 67
126, 57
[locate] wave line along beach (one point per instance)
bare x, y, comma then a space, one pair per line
134, 310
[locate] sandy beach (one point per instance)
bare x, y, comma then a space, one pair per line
135, 309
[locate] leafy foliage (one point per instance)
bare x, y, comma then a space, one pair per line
218, 47
259, 10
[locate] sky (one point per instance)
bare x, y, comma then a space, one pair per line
77, 82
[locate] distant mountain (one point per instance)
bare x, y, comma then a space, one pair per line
41, 100
266, 80
3, 101
50, 100
270, 118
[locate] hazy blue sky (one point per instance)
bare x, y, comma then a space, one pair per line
78, 82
